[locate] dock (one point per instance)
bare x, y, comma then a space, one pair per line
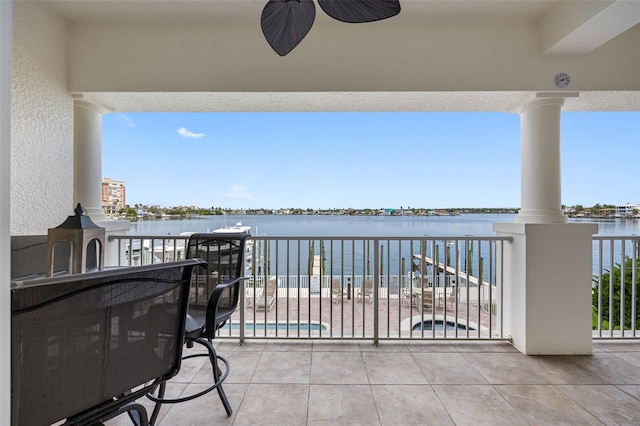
461, 275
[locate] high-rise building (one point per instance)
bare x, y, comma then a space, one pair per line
113, 196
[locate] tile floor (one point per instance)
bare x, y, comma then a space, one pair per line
413, 383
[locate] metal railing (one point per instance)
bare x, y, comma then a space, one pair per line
139, 250
374, 288
320, 286
616, 284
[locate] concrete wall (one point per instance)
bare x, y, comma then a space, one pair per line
41, 122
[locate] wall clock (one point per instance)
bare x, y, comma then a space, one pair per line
562, 80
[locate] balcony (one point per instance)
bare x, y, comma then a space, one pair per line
346, 356
411, 383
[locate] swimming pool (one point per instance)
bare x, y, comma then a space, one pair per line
280, 326
439, 326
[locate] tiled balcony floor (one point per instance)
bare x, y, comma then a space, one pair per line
413, 383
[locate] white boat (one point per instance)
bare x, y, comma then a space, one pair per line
237, 228
168, 250
248, 250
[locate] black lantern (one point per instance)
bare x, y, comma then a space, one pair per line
80, 231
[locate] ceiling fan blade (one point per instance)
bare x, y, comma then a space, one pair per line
356, 11
286, 22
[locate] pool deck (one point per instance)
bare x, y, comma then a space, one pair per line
414, 383
353, 317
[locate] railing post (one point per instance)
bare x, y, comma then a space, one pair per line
376, 286
243, 305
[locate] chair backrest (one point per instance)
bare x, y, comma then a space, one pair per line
81, 343
427, 297
224, 254
272, 287
218, 287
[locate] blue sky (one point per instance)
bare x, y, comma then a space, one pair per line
359, 160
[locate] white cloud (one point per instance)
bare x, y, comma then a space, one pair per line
187, 134
127, 120
239, 191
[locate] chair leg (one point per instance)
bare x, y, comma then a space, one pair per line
136, 412
218, 377
213, 357
156, 409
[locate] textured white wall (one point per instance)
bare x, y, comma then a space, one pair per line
5, 253
41, 122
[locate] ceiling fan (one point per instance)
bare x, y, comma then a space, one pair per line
286, 22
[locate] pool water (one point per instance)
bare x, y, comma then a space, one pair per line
428, 326
292, 326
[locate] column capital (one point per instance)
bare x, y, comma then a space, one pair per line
80, 101
540, 99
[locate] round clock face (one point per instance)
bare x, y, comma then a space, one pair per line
562, 80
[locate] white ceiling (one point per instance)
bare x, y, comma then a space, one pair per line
355, 101
595, 24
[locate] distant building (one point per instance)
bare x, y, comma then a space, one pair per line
113, 196
627, 210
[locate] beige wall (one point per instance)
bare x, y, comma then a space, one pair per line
336, 57
41, 122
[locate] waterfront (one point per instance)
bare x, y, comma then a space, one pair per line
477, 225
367, 227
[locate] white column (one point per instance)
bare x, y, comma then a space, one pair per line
87, 172
540, 186
87, 157
6, 46
547, 268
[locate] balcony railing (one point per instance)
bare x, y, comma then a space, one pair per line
386, 288
616, 265
356, 287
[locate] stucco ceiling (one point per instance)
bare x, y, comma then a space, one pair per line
591, 24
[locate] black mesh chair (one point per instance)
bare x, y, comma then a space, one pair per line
85, 347
214, 296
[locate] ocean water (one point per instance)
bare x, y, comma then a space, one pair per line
478, 225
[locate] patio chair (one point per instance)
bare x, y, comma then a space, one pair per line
424, 298
252, 294
267, 299
220, 283
338, 293
85, 347
451, 297
366, 291
408, 295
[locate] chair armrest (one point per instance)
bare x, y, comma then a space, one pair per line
222, 304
